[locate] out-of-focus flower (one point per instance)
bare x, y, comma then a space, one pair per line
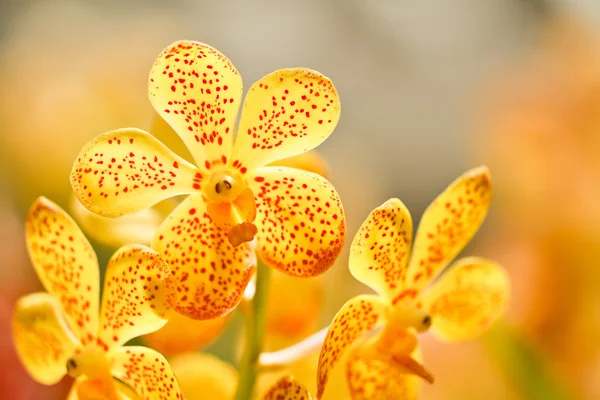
66, 331
299, 216
287, 388
539, 133
468, 297
204, 376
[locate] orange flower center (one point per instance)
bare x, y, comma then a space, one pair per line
93, 363
231, 205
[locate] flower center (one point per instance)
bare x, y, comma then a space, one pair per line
406, 315
231, 205
91, 362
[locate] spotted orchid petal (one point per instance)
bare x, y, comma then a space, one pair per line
208, 275
448, 224
287, 388
85, 388
42, 338
372, 378
286, 113
204, 376
127, 170
358, 316
467, 299
300, 220
182, 334
381, 248
310, 161
134, 301
66, 265
198, 92
146, 371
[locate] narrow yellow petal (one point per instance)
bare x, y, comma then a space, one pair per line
286, 113
114, 232
147, 372
182, 334
66, 264
134, 300
310, 161
371, 378
42, 338
208, 275
198, 91
448, 224
300, 220
287, 388
127, 170
381, 249
358, 316
467, 299
204, 376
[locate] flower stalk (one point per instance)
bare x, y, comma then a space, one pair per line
255, 332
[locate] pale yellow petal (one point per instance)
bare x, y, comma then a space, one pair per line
147, 372
358, 316
42, 338
198, 91
127, 170
287, 388
381, 249
286, 113
204, 376
310, 161
300, 220
448, 224
66, 264
134, 300
467, 299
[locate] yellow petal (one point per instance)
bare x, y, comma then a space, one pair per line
467, 299
85, 388
42, 338
448, 224
198, 92
287, 388
127, 170
381, 249
146, 371
114, 232
204, 376
208, 275
134, 300
358, 316
182, 334
300, 220
310, 161
371, 378
294, 305
286, 113
66, 264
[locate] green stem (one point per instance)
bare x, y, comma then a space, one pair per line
255, 332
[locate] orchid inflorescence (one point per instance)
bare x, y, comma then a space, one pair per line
247, 204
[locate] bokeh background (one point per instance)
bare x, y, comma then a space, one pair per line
429, 89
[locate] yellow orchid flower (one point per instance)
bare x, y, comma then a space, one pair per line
468, 297
287, 388
67, 331
297, 216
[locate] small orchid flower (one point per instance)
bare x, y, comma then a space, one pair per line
297, 216
67, 331
462, 303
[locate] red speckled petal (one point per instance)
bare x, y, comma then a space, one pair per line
358, 316
42, 338
66, 264
147, 372
134, 301
448, 224
300, 220
287, 388
286, 113
128, 170
370, 379
198, 92
467, 299
208, 275
381, 248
